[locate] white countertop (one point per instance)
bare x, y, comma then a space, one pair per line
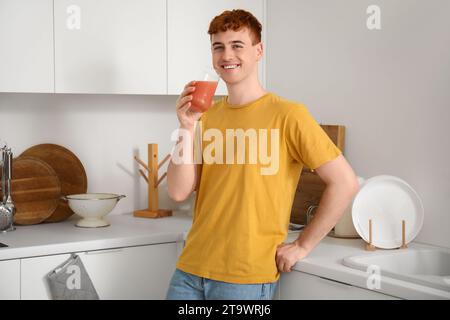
62, 237
126, 230
326, 261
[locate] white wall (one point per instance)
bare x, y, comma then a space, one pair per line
104, 131
390, 88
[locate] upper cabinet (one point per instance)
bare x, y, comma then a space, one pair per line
26, 46
110, 46
189, 47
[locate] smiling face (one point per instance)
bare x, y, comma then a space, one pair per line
235, 58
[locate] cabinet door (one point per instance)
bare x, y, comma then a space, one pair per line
141, 272
110, 46
189, 47
302, 286
10, 280
26, 46
33, 282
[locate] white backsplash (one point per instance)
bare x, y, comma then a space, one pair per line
104, 131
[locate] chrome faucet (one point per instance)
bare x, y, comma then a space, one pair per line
7, 207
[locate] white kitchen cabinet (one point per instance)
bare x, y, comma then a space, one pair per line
33, 275
189, 47
26, 46
110, 46
297, 285
141, 272
10, 279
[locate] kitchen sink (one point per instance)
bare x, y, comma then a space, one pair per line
428, 267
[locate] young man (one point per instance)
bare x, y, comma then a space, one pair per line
235, 247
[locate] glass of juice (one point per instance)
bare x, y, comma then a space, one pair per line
205, 87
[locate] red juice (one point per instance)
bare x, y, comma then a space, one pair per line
203, 95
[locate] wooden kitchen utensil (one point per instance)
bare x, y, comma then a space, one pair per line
369, 245
310, 187
35, 190
69, 170
152, 180
403, 246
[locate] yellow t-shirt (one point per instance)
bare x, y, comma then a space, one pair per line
242, 208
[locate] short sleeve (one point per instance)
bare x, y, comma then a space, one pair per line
306, 141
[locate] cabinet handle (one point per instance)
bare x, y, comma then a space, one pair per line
103, 251
339, 283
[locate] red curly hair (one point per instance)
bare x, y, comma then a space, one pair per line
236, 20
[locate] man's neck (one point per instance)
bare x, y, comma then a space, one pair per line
245, 92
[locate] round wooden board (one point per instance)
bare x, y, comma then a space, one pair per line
69, 170
35, 190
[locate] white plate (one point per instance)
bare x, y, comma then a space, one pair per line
387, 200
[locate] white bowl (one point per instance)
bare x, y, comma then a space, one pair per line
92, 207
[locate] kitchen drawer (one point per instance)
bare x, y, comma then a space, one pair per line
141, 272
33, 271
10, 279
303, 286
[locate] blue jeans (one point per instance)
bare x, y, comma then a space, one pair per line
186, 286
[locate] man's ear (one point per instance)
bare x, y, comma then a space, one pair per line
259, 51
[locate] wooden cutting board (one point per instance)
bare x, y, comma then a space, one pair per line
310, 187
35, 190
69, 170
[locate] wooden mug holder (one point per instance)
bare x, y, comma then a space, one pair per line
371, 247
153, 181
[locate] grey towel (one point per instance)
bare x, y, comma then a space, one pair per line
70, 281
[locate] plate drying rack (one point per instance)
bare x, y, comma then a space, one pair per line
371, 247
